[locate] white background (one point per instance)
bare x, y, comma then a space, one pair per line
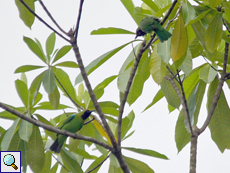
154, 129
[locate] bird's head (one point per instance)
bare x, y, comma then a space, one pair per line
86, 114
139, 32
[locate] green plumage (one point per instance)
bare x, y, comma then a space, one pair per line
150, 24
72, 124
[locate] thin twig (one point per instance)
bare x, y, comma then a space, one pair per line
208, 62
99, 164
51, 17
185, 105
78, 19
87, 122
60, 163
218, 90
54, 129
174, 75
68, 94
46, 24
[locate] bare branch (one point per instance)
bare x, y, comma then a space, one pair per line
78, 19
51, 17
54, 129
46, 24
218, 90
193, 150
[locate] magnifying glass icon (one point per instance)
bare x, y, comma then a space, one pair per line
9, 160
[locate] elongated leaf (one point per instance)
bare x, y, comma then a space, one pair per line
170, 93
54, 98
199, 30
47, 165
152, 5
47, 106
213, 34
61, 52
141, 76
197, 18
16, 143
96, 163
35, 151
25, 129
179, 41
146, 152
70, 64
207, 73
195, 47
7, 115
128, 4
163, 50
157, 66
110, 30
49, 82
50, 42
105, 82
8, 137
220, 122
34, 48
136, 166
159, 95
215, 3
186, 66
188, 12
98, 62
26, 16
26, 68
70, 161
22, 91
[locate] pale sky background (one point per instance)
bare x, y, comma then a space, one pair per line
154, 129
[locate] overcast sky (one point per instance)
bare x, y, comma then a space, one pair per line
154, 129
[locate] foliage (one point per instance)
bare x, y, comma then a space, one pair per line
197, 32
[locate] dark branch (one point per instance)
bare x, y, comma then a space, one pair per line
51, 17
54, 129
46, 24
78, 19
218, 90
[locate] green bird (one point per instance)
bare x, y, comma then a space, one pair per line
72, 124
150, 24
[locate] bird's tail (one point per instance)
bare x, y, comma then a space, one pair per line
163, 35
56, 147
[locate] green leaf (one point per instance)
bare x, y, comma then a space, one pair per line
26, 68
213, 34
105, 82
54, 98
152, 5
70, 161
179, 40
47, 106
25, 129
34, 48
54, 168
200, 32
186, 66
61, 52
169, 93
35, 151
50, 42
96, 163
7, 115
195, 47
110, 30
49, 82
197, 18
146, 152
220, 123
22, 91
34, 88
188, 11
70, 64
159, 95
207, 73
137, 166
8, 137
47, 165
128, 4
98, 62
163, 50
157, 66
215, 3
26, 16
140, 77
63, 77
16, 143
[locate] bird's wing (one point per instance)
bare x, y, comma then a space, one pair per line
67, 120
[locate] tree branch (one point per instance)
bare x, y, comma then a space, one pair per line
51, 17
182, 100
99, 164
218, 90
78, 19
46, 24
54, 129
193, 150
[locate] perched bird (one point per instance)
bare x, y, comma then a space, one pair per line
150, 24
72, 124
